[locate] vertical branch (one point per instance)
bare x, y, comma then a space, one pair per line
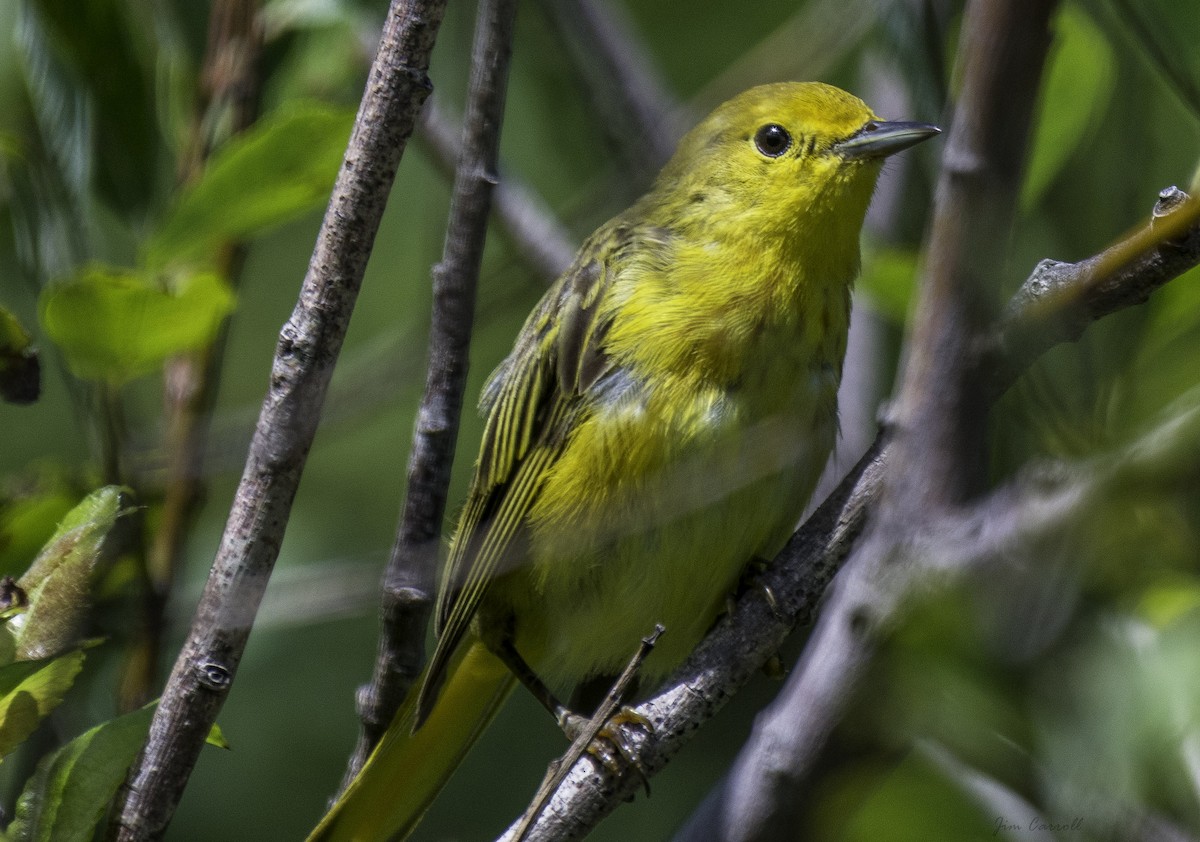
941, 407
539, 239
304, 358
410, 577
228, 104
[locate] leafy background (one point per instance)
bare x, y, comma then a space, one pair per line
1068, 682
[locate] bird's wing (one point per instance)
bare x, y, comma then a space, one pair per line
531, 402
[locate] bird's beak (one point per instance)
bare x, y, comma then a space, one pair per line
879, 138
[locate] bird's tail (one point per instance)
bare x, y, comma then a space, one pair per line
406, 770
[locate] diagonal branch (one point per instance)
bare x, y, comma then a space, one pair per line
307, 350
1059, 300
409, 580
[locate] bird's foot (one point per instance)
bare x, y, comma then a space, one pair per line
614, 744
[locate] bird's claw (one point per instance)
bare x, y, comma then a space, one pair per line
615, 745
750, 580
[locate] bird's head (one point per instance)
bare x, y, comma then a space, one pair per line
795, 156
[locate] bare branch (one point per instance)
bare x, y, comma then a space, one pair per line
307, 350
941, 407
540, 240
410, 578
1059, 300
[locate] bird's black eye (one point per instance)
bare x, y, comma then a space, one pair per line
772, 140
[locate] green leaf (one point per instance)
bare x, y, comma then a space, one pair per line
57, 583
69, 792
888, 279
114, 324
20, 372
913, 800
1079, 84
216, 737
280, 169
1169, 599
67, 795
29, 690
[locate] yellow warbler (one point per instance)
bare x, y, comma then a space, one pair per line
659, 423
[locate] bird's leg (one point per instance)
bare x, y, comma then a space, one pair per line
607, 739
502, 647
612, 717
590, 735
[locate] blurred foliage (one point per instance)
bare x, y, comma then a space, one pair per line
1062, 690
113, 325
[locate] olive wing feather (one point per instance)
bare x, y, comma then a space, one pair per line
531, 403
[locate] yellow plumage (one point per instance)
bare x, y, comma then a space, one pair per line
660, 422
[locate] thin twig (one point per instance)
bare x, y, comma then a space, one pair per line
601, 719
308, 348
1059, 300
409, 580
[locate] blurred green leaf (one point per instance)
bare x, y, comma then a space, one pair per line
1174, 311
115, 324
282, 167
67, 795
57, 583
20, 372
216, 737
29, 690
915, 801
1169, 599
1078, 86
69, 792
1165, 33
1138, 687
889, 277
